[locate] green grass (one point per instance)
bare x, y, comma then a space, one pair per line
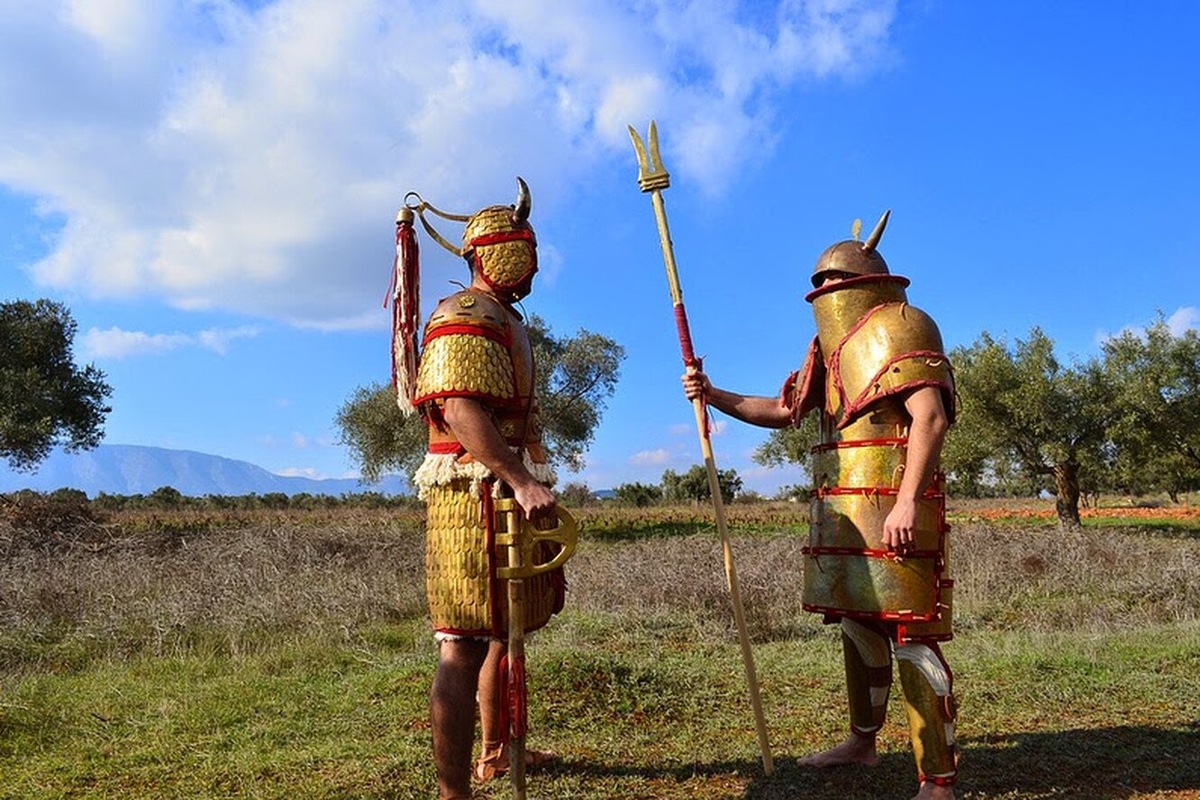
637, 711
291, 659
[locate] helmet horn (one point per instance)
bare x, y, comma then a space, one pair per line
524, 203
877, 234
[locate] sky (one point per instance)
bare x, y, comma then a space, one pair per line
211, 186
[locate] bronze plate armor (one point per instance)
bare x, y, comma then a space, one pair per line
875, 348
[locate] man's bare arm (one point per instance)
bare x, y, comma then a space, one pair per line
766, 412
926, 435
474, 429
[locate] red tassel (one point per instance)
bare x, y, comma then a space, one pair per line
513, 712
406, 309
504, 708
518, 699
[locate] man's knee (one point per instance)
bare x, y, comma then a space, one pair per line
462, 654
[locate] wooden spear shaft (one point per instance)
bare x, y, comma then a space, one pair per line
653, 178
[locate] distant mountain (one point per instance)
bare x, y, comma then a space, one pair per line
131, 469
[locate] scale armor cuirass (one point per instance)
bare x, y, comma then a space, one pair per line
871, 349
476, 347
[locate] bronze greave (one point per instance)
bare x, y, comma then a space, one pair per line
929, 700
868, 675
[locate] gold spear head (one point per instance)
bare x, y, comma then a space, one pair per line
652, 175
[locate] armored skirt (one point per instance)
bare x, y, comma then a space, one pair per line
465, 598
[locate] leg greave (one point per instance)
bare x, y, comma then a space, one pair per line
929, 699
868, 675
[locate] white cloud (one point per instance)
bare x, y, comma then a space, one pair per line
302, 472
216, 156
1184, 319
650, 457
117, 343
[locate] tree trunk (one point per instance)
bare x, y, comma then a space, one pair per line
1066, 497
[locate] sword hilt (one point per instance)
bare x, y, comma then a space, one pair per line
513, 530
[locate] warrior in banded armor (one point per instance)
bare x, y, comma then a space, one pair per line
877, 557
474, 384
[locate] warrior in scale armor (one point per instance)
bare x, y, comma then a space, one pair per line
877, 559
474, 384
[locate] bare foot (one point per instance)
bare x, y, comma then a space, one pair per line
855, 750
931, 791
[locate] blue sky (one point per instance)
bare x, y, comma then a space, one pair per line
211, 188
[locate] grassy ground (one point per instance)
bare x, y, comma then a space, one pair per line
278, 657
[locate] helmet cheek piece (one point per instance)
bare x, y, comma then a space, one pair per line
505, 260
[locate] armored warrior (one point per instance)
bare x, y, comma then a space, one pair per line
474, 384
877, 557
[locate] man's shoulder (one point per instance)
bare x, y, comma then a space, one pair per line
469, 308
901, 327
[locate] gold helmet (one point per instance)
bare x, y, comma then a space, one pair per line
852, 258
501, 244
498, 242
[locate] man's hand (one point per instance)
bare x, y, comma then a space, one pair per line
900, 527
695, 384
535, 500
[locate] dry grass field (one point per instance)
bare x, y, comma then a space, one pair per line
285, 654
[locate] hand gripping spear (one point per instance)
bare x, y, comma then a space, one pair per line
653, 178
517, 541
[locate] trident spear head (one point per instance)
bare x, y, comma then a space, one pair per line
652, 175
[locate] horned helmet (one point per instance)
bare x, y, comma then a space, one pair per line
852, 257
498, 243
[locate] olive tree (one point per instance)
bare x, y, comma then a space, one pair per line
1156, 426
45, 399
1021, 408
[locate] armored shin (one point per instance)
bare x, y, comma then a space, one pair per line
868, 675
929, 699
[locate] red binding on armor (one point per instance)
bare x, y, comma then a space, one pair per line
939, 780
890, 555
931, 493
853, 407
455, 448
522, 234
889, 442
871, 616
446, 448
499, 336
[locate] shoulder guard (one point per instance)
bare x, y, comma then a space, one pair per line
893, 349
467, 351
804, 389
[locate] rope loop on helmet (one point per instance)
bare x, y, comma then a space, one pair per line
421, 206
